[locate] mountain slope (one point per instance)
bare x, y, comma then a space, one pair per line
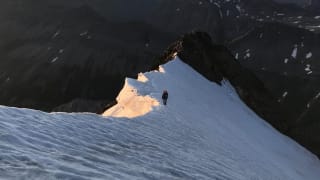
205, 132
210, 109
64, 49
286, 60
66, 53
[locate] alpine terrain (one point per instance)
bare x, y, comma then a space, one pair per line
204, 132
241, 79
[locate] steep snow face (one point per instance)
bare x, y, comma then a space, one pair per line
204, 132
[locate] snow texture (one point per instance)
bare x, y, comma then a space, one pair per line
261, 35
56, 34
294, 52
284, 95
205, 132
308, 67
83, 33
309, 55
54, 59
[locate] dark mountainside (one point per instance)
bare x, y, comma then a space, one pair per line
293, 79
73, 56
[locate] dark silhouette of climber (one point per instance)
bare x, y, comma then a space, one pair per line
165, 96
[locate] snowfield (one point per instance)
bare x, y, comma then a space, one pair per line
205, 132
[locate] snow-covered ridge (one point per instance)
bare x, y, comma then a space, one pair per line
137, 97
204, 132
212, 109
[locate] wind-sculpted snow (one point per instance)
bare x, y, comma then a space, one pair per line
205, 132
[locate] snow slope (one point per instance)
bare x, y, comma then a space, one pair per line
205, 132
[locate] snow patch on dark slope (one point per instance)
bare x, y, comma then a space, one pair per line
205, 132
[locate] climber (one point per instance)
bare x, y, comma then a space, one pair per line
165, 97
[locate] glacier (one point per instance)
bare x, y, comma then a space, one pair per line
204, 132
